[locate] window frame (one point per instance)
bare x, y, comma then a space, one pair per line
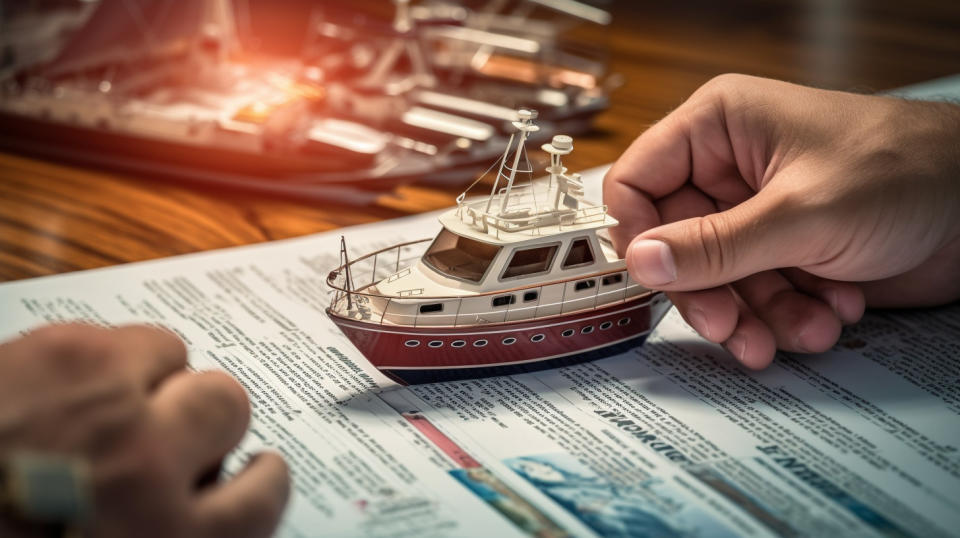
555, 245
486, 271
593, 255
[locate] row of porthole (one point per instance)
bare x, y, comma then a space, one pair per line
509, 341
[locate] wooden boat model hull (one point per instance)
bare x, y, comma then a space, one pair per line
413, 355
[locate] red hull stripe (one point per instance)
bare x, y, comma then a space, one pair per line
506, 327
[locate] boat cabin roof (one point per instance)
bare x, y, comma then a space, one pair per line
525, 228
542, 234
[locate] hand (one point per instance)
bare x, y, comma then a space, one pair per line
773, 213
148, 428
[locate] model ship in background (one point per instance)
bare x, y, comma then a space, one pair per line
165, 87
522, 279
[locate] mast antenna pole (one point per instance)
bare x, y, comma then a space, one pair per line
496, 182
525, 126
347, 279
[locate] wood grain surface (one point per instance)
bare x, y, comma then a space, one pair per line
56, 218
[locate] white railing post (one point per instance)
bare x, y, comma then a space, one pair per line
384, 312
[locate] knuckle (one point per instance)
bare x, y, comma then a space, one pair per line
158, 339
217, 398
726, 89
726, 83
716, 251
612, 176
73, 349
228, 389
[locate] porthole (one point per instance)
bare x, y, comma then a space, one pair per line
623, 321
412, 343
587, 330
538, 338
509, 341
458, 343
610, 280
585, 285
606, 325
430, 308
530, 296
480, 343
568, 333
436, 343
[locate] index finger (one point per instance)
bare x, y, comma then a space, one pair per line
691, 145
655, 164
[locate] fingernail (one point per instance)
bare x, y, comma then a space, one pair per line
737, 345
800, 343
652, 262
698, 320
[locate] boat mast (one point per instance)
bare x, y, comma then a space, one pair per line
525, 126
496, 182
345, 263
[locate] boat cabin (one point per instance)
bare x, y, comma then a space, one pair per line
525, 251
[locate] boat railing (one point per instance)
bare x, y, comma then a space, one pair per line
389, 264
361, 293
473, 212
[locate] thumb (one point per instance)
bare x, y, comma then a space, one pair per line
715, 249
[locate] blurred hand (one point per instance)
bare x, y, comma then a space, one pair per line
149, 429
772, 213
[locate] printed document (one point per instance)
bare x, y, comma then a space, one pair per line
670, 439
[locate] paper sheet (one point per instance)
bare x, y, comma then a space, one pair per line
672, 439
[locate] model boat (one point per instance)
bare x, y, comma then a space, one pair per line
165, 88
522, 279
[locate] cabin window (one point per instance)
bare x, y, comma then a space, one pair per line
430, 308
530, 261
610, 280
460, 257
584, 285
530, 296
580, 254
504, 300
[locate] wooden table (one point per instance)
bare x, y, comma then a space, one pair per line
56, 218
